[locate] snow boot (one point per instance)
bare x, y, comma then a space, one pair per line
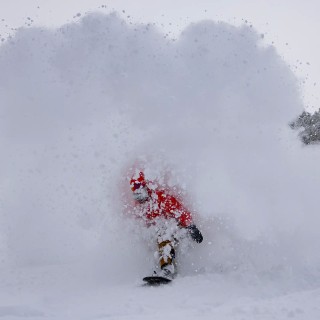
167, 272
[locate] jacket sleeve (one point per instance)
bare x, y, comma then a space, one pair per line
185, 219
178, 211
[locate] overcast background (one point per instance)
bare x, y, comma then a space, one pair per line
84, 104
291, 26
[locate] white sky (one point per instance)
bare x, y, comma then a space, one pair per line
292, 25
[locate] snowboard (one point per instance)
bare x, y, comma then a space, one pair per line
156, 280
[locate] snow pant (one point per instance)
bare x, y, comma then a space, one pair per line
166, 253
168, 236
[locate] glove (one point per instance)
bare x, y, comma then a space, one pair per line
195, 233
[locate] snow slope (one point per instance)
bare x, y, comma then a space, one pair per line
206, 296
81, 104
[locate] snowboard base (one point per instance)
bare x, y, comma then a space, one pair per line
156, 280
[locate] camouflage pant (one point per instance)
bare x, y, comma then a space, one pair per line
168, 236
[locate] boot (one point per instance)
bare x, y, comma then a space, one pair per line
167, 271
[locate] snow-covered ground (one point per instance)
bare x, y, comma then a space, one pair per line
81, 105
205, 296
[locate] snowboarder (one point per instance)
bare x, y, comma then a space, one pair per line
169, 218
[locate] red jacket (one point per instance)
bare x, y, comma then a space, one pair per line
162, 204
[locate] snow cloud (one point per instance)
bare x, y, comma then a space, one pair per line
80, 103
